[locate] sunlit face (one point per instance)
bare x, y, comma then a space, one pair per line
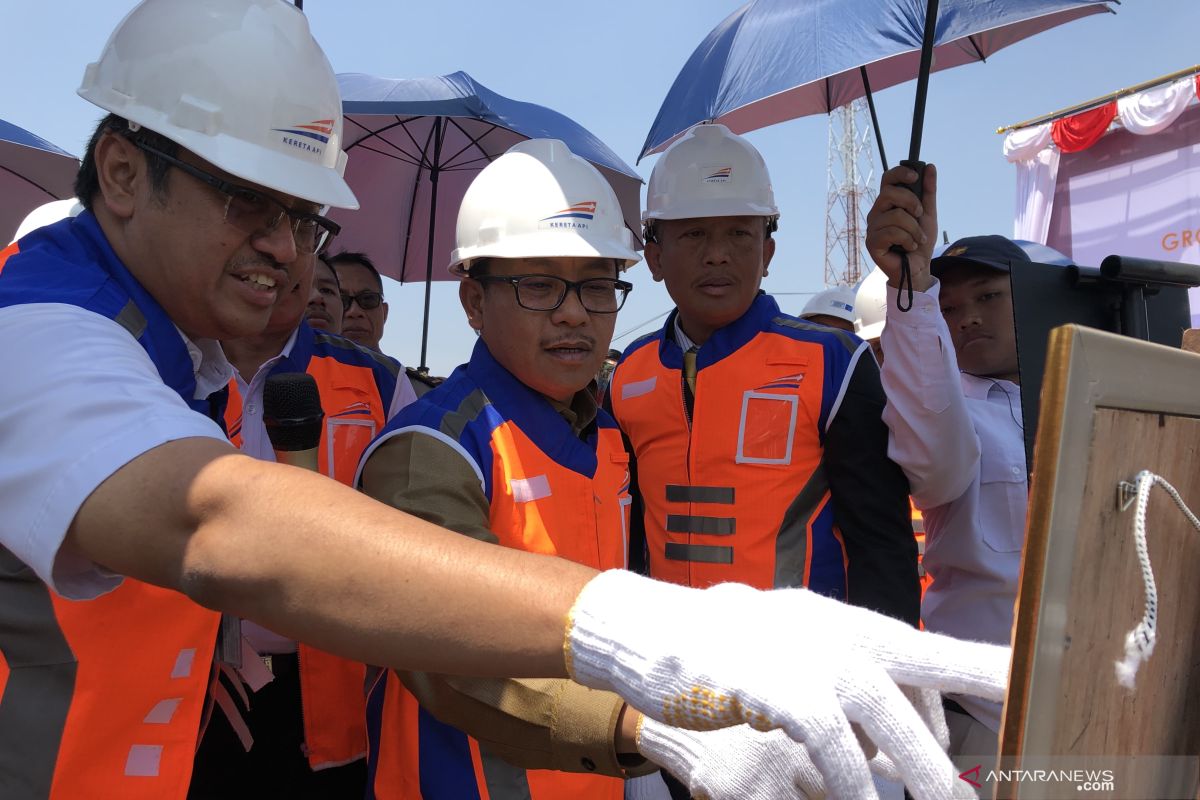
212, 278
712, 266
324, 311
364, 326
556, 353
977, 305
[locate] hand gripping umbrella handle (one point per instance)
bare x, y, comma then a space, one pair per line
917, 187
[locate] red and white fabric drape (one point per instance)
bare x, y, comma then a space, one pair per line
1036, 150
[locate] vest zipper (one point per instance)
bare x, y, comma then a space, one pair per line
689, 400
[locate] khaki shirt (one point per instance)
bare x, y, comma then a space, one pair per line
532, 723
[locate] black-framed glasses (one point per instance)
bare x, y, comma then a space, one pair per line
366, 299
547, 292
252, 211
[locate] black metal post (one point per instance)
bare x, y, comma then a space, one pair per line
433, 180
874, 119
914, 143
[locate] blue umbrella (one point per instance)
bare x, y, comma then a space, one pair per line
414, 146
775, 60
32, 172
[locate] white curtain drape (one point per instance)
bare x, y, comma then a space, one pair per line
1154, 109
1033, 152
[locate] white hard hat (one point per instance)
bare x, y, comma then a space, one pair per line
540, 200
870, 305
47, 214
836, 302
709, 172
240, 83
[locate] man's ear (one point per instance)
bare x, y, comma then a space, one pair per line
653, 256
121, 171
768, 253
470, 294
384, 306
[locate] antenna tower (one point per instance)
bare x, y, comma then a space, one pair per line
851, 192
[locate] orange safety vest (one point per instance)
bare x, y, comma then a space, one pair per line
550, 492
918, 524
732, 477
99, 698
356, 387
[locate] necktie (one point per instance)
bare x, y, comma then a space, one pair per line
689, 369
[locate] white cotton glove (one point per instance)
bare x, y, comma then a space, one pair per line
787, 659
741, 763
737, 763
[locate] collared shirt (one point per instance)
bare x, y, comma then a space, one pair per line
960, 440
81, 399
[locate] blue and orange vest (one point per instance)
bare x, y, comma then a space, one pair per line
549, 492
101, 697
356, 387
731, 477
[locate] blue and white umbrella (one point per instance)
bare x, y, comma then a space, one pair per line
32, 172
414, 146
775, 60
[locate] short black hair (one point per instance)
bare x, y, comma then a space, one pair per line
87, 180
324, 259
355, 257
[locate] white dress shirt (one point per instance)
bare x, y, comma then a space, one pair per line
79, 399
959, 439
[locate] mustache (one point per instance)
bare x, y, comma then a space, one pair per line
572, 341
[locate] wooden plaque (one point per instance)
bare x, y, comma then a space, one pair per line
1110, 407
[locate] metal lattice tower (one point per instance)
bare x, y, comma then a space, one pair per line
851, 192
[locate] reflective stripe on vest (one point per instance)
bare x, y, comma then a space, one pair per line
538, 504
738, 492
103, 697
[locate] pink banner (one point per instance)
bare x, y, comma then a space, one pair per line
1133, 196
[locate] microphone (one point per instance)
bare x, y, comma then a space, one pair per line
293, 416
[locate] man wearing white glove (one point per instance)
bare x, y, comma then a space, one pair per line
847, 666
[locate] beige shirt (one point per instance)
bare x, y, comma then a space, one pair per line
532, 723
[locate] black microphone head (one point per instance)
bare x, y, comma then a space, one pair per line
292, 411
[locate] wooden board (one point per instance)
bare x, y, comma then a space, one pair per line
1111, 407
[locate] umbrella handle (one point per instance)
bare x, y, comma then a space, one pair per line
917, 187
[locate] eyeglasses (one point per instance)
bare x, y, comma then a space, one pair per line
367, 300
252, 211
547, 292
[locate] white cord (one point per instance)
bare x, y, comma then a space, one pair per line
1139, 642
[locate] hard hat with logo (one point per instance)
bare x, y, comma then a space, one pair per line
870, 305
835, 302
540, 200
47, 214
240, 83
709, 172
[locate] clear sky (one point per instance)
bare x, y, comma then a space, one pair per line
608, 65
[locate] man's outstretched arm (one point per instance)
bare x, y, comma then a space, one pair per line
319, 562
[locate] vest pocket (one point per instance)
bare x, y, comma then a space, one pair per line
767, 428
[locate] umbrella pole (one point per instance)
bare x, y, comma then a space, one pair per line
913, 162
433, 180
914, 143
874, 119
